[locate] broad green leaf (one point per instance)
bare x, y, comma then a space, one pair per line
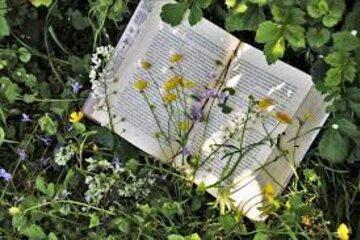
336, 59
274, 50
317, 8
34, 232
353, 93
38, 3
230, 3
4, 27
349, 71
355, 107
205, 3
47, 125
227, 222
248, 20
50, 192
41, 185
335, 12
123, 225
196, 13
286, 15
348, 128
52, 236
193, 236
333, 146
345, 41
317, 37
333, 77
239, 8
94, 221
295, 35
2, 135
24, 55
173, 13
268, 32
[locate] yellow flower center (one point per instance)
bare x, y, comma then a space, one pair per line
169, 98
283, 117
265, 103
172, 83
175, 58
145, 65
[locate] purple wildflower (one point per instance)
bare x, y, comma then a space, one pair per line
186, 151
25, 117
5, 175
196, 111
46, 140
22, 154
76, 86
208, 93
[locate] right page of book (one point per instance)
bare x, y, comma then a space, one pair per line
289, 89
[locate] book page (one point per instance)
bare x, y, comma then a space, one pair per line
202, 46
250, 75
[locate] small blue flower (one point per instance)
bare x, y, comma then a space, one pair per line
5, 175
76, 86
208, 93
22, 154
25, 117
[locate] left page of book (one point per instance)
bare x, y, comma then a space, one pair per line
147, 38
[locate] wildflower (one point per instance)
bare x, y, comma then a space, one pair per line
25, 118
188, 84
172, 83
208, 93
141, 85
335, 126
76, 86
196, 111
283, 117
175, 58
64, 154
5, 175
145, 65
184, 125
353, 32
343, 232
169, 98
13, 211
22, 154
306, 220
269, 191
186, 151
76, 117
265, 103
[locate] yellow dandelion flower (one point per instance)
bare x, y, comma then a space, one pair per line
265, 103
172, 83
169, 98
76, 117
145, 65
141, 85
175, 58
306, 220
188, 84
269, 191
283, 117
343, 232
184, 125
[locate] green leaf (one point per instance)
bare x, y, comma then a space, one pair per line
334, 15
227, 222
4, 27
2, 135
173, 13
79, 21
132, 165
249, 20
48, 125
123, 225
24, 55
355, 107
345, 41
230, 3
196, 13
333, 146
50, 191
94, 221
38, 3
79, 127
317, 37
317, 8
274, 50
336, 59
349, 71
333, 77
40, 185
295, 35
348, 128
268, 32
175, 237
193, 236
52, 236
34, 232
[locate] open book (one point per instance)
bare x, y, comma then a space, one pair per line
203, 47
